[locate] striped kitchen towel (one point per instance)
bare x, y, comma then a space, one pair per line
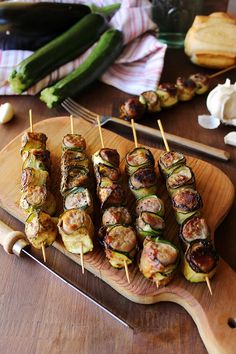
137, 69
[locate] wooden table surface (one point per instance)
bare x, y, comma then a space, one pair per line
40, 314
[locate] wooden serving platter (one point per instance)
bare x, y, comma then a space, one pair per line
212, 314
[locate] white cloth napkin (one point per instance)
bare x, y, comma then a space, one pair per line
137, 69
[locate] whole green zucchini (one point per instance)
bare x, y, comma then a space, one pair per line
41, 18
57, 52
103, 55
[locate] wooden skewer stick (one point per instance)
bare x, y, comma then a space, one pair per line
100, 131
134, 133
126, 271
82, 257
208, 285
71, 124
44, 253
163, 135
222, 71
31, 120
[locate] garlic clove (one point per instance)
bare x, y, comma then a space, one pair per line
230, 138
208, 122
6, 113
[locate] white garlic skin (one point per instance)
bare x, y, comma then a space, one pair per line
221, 102
6, 113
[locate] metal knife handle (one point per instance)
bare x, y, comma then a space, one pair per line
11, 241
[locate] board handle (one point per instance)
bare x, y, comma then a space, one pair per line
10, 238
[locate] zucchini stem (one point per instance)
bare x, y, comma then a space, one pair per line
105, 10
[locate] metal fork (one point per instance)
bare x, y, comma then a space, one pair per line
77, 110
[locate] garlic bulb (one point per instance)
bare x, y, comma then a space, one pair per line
6, 112
221, 102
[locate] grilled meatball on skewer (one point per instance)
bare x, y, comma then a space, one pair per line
36, 199
116, 234
75, 225
199, 261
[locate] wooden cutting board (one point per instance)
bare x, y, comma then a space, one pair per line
212, 314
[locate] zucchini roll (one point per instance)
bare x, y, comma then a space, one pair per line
38, 159
33, 177
75, 225
202, 83
76, 230
116, 215
200, 261
167, 93
120, 245
133, 108
169, 160
151, 100
106, 156
150, 203
30, 140
186, 89
143, 182
181, 176
40, 229
73, 142
194, 228
186, 202
159, 261
137, 158
79, 198
149, 224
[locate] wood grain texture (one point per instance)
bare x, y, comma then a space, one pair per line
210, 314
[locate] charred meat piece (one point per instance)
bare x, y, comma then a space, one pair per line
139, 157
169, 160
116, 215
151, 100
143, 182
74, 177
73, 142
202, 83
186, 202
32, 177
120, 245
73, 159
200, 261
37, 158
149, 224
159, 261
111, 196
167, 93
79, 198
186, 89
132, 109
106, 156
76, 229
30, 140
40, 229
150, 203
193, 229
181, 176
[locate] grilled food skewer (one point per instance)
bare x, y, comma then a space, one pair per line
199, 259
159, 259
75, 225
36, 199
116, 234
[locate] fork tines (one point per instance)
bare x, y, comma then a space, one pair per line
75, 109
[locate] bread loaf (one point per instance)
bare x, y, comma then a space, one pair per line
211, 41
